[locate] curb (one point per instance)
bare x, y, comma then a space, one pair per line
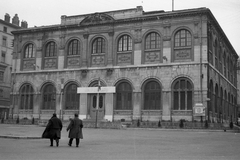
19, 137
191, 130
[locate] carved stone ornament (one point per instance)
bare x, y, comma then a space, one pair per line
84, 73
96, 18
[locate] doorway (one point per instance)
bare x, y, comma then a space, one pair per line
93, 106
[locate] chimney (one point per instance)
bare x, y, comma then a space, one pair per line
24, 24
7, 18
15, 20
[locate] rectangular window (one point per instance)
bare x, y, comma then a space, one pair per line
183, 100
4, 41
1, 93
3, 57
1, 76
5, 29
176, 101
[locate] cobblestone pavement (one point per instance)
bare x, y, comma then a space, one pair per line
22, 142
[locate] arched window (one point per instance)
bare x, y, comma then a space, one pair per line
124, 50
29, 51
72, 98
49, 97
152, 41
183, 38
152, 96
98, 52
124, 43
182, 45
98, 46
51, 49
152, 48
50, 56
124, 96
74, 47
182, 94
26, 94
73, 54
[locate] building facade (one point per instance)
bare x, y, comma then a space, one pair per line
6, 48
161, 64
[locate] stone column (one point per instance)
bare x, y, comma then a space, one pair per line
137, 47
166, 108
83, 106
110, 49
137, 105
109, 107
85, 50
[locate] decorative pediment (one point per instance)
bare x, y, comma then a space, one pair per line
97, 18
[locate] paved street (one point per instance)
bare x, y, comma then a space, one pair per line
129, 144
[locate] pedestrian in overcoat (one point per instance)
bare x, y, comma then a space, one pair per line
75, 126
53, 130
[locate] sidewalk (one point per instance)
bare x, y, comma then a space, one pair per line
17, 131
21, 131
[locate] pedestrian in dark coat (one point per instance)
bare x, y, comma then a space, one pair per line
75, 128
53, 130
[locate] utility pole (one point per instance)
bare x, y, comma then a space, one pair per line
172, 5
97, 107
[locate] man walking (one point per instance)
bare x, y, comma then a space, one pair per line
53, 130
75, 128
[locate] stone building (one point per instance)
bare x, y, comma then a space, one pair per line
6, 49
162, 64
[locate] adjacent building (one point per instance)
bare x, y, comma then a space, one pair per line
164, 66
6, 49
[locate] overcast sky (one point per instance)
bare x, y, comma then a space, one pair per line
48, 12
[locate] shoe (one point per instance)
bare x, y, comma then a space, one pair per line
69, 145
76, 146
51, 145
57, 144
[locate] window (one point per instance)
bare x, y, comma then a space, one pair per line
51, 49
182, 45
3, 57
26, 94
29, 51
210, 58
4, 41
211, 95
152, 48
182, 94
1, 76
152, 96
1, 93
216, 54
49, 97
183, 38
98, 46
74, 47
124, 96
5, 29
152, 41
124, 43
72, 98
216, 99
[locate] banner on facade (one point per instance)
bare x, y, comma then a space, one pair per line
199, 109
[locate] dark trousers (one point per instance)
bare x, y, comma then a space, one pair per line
51, 141
77, 141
